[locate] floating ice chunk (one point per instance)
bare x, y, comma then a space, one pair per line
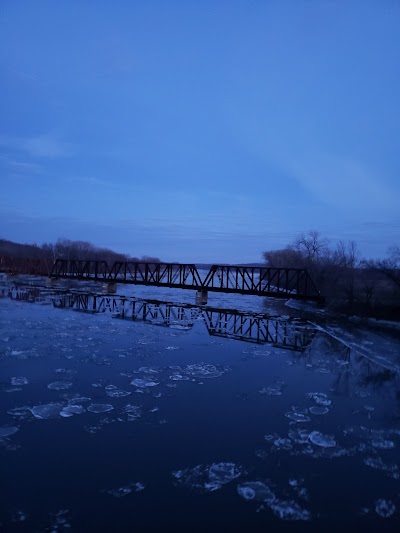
172, 347
179, 377
289, 510
148, 370
71, 410
144, 383
203, 370
318, 410
117, 393
120, 492
384, 508
298, 486
6, 431
19, 381
376, 462
79, 399
19, 516
100, 407
283, 444
297, 417
300, 436
324, 441
20, 412
209, 478
133, 412
319, 398
45, 411
256, 490
382, 444
59, 385
111, 387
222, 473
60, 521
273, 390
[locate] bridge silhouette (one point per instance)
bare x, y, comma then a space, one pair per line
239, 279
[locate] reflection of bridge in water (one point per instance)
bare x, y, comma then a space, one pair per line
229, 323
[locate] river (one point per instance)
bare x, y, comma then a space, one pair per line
122, 425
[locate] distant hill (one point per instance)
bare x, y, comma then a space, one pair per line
14, 249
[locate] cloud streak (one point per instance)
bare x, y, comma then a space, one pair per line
39, 147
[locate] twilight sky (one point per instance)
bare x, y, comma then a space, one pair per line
200, 130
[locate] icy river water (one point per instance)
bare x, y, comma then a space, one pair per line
120, 425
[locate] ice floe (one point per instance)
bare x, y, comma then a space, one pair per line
320, 398
392, 470
18, 381
71, 410
289, 510
117, 393
6, 431
284, 509
60, 521
296, 415
256, 490
100, 407
318, 410
144, 383
120, 492
45, 411
324, 441
59, 385
207, 477
384, 508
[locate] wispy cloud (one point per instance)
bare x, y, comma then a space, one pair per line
340, 182
19, 167
45, 146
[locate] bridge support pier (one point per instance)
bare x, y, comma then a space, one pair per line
201, 297
50, 282
110, 288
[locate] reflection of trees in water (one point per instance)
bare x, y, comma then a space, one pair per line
353, 371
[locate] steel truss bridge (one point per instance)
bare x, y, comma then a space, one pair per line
260, 281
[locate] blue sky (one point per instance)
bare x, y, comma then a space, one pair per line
200, 131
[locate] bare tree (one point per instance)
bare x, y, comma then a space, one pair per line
389, 267
311, 245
